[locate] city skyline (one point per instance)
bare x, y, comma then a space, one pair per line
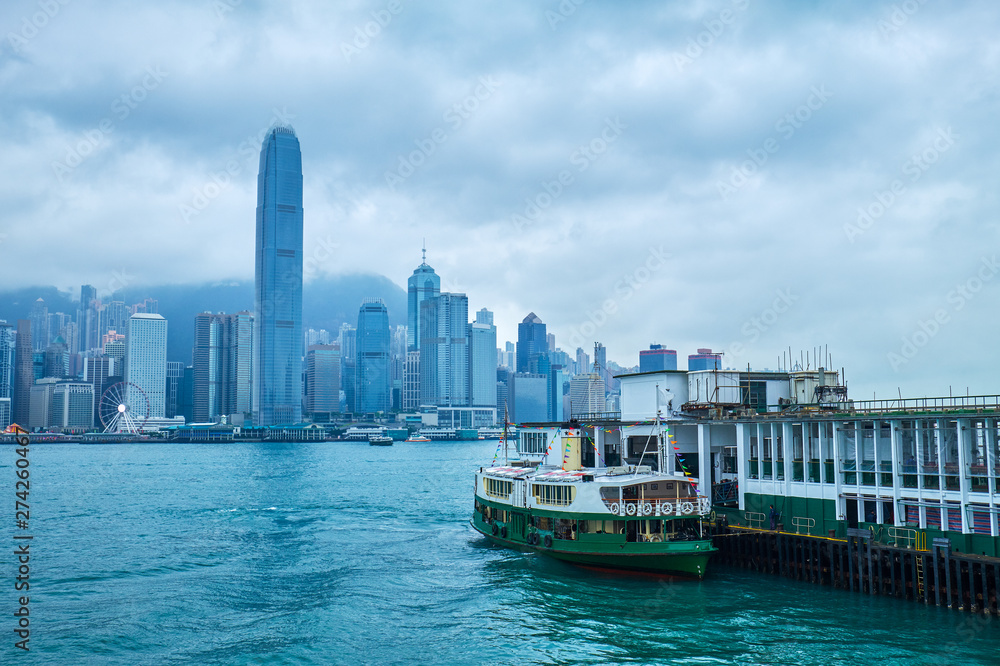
592, 200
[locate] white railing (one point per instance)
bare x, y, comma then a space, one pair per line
754, 519
902, 536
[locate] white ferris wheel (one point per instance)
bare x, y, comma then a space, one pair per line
124, 408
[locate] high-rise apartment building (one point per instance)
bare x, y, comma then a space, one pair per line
277, 367
39, 317
411, 381
146, 361
175, 371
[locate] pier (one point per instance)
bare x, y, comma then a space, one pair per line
925, 573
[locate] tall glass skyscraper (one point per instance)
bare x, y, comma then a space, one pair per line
531, 343
373, 357
422, 285
277, 374
444, 350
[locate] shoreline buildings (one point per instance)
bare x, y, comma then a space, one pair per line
277, 375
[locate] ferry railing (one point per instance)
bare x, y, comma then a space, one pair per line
902, 536
801, 522
754, 519
970, 402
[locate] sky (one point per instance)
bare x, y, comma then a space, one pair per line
744, 176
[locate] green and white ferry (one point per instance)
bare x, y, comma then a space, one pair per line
559, 498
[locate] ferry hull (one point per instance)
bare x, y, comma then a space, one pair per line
685, 559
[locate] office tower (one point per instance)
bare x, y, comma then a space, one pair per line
557, 387
483, 360
56, 359
582, 361
323, 381
87, 318
704, 360
39, 317
411, 381
348, 365
586, 394
444, 350
601, 366
8, 342
656, 358
222, 357
175, 371
397, 366
277, 329
508, 356
531, 343
24, 374
185, 394
58, 321
146, 361
41, 403
96, 371
373, 385
550, 342
422, 285
528, 398
71, 405
503, 391
149, 306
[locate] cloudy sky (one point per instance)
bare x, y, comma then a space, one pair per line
727, 174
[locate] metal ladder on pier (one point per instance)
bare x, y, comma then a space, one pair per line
920, 575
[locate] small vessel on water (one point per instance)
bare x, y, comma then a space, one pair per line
629, 517
418, 438
380, 440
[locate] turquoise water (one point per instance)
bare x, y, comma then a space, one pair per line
347, 553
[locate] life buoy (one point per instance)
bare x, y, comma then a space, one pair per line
495, 529
655, 539
548, 540
503, 531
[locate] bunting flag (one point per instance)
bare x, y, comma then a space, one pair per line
497, 454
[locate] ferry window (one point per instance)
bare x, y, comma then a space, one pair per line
654, 486
497, 487
534, 442
556, 495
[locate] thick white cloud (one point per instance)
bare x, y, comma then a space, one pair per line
733, 146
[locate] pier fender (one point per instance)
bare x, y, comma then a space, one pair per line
503, 531
495, 529
548, 540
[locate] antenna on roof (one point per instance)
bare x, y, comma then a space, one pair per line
425, 251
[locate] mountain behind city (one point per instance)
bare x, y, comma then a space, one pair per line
327, 302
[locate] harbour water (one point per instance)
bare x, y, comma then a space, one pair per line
347, 553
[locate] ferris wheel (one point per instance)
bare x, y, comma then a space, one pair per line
124, 408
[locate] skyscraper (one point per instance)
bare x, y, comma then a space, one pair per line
87, 318
483, 360
146, 361
657, 357
532, 342
348, 365
422, 285
222, 374
8, 340
373, 357
323, 381
39, 325
24, 373
444, 350
277, 373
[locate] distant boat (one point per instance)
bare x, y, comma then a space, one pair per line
380, 441
418, 438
